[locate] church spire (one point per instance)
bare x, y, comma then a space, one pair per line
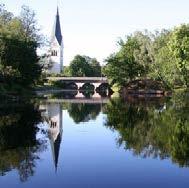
56, 47
57, 12
57, 28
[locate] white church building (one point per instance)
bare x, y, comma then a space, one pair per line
56, 48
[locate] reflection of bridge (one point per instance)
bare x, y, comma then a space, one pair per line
80, 100
76, 97
81, 81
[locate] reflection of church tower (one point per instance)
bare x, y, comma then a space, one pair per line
56, 47
55, 129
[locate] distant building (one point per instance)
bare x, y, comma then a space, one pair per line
56, 48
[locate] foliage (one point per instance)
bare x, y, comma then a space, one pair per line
179, 47
23, 69
84, 66
163, 56
19, 39
29, 25
144, 54
162, 69
122, 66
66, 71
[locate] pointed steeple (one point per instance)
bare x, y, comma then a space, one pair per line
57, 29
55, 147
56, 49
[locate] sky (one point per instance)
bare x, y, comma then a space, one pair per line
92, 27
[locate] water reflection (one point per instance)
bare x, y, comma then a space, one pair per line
148, 128
158, 129
19, 148
77, 95
52, 114
83, 112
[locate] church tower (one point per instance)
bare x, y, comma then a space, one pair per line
56, 48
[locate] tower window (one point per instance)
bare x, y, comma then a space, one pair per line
54, 53
53, 124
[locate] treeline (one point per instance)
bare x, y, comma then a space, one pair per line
162, 56
19, 40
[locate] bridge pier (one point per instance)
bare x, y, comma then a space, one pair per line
79, 85
96, 85
79, 95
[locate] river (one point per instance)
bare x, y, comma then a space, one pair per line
55, 141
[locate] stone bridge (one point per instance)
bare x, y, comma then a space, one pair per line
81, 81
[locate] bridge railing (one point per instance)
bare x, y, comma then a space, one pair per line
75, 79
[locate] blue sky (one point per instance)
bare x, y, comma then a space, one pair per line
93, 27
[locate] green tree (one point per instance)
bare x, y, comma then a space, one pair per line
26, 67
29, 25
179, 47
144, 54
19, 40
79, 66
163, 67
122, 66
94, 66
84, 66
66, 71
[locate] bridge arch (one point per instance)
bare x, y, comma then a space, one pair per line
72, 86
88, 86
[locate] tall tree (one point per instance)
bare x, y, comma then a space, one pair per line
5, 16
84, 66
163, 67
143, 54
122, 66
29, 24
18, 45
179, 46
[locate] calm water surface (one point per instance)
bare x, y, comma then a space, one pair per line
95, 143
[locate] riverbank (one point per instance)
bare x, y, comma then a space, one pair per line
15, 92
145, 88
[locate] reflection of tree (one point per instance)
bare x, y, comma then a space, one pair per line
87, 93
150, 132
83, 112
19, 147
